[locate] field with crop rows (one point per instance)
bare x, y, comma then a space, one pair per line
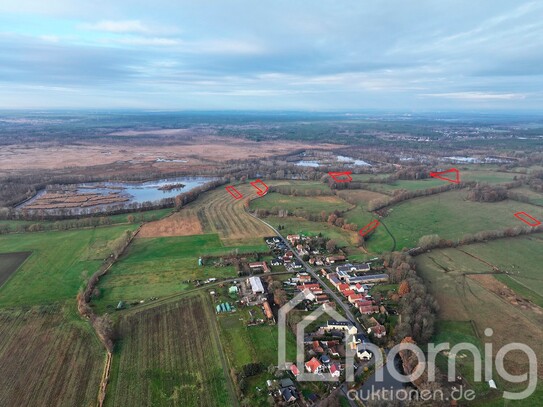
170, 355
48, 358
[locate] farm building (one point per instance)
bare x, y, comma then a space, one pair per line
333, 278
233, 290
256, 285
259, 266
224, 307
352, 268
348, 326
267, 310
333, 259
372, 278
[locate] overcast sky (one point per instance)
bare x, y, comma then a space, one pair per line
272, 54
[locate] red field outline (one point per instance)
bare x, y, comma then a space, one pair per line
519, 214
369, 227
439, 173
232, 189
336, 175
259, 191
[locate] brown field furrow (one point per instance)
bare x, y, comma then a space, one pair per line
173, 366
47, 360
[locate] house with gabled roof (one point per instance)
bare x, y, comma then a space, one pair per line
348, 326
294, 369
313, 366
335, 369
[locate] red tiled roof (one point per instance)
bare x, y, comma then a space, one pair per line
354, 297
313, 365
346, 293
343, 286
294, 370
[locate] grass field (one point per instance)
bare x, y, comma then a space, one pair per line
59, 263
520, 257
48, 357
535, 197
295, 187
9, 263
480, 298
360, 196
451, 216
314, 204
255, 344
154, 267
169, 356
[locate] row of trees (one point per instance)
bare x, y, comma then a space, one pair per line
103, 325
429, 242
417, 307
403, 195
487, 193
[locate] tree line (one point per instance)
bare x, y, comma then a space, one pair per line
417, 307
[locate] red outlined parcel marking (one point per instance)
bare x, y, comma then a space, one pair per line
439, 175
338, 176
369, 227
260, 192
234, 192
522, 215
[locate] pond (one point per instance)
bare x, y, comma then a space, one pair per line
148, 191
351, 160
305, 163
79, 198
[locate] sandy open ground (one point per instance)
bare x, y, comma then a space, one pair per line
183, 223
196, 151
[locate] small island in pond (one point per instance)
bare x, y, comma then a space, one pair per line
170, 187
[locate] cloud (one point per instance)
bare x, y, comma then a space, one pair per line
127, 26
477, 96
418, 54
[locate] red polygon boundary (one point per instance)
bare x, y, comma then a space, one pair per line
439, 174
260, 192
234, 192
369, 227
519, 216
336, 176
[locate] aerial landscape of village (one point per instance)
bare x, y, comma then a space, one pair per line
212, 205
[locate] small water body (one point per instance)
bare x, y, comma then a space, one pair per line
353, 161
305, 163
136, 192
476, 160
169, 160
144, 191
